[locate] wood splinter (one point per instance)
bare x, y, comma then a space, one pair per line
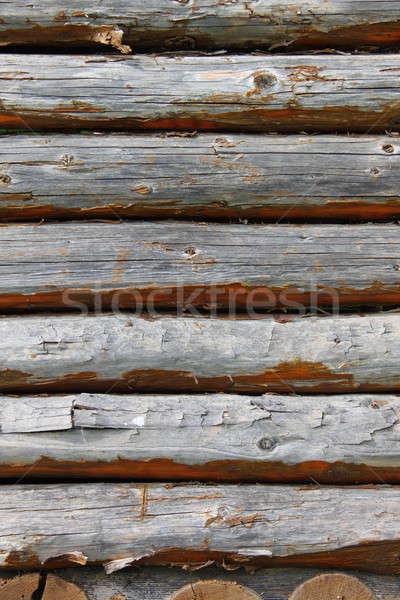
52, 587
332, 586
215, 590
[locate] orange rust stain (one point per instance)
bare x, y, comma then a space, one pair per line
118, 272
307, 73
79, 106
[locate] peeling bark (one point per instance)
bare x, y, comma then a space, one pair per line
324, 178
246, 92
329, 439
166, 524
127, 354
205, 24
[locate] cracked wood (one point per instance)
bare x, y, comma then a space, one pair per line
150, 265
124, 353
329, 439
203, 24
118, 525
247, 92
210, 176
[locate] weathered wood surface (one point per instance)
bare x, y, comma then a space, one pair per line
159, 583
123, 353
325, 439
150, 265
203, 24
245, 92
207, 176
122, 524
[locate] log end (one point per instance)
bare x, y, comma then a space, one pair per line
332, 586
215, 590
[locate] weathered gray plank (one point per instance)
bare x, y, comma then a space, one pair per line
117, 525
127, 353
148, 265
245, 92
159, 583
208, 176
329, 439
206, 24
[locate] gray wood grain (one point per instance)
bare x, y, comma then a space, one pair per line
206, 24
245, 92
121, 524
121, 352
207, 176
182, 265
159, 583
225, 437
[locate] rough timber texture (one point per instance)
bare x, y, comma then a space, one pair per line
209, 176
117, 525
202, 24
145, 265
245, 92
332, 586
325, 439
160, 583
215, 589
123, 353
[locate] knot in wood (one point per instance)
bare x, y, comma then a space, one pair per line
267, 443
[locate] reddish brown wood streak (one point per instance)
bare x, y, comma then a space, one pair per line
331, 211
249, 118
162, 469
233, 296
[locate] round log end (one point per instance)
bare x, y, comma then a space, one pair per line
215, 590
332, 586
20, 588
59, 589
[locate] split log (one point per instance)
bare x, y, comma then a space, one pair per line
328, 178
204, 24
325, 439
146, 266
160, 583
123, 524
123, 353
245, 92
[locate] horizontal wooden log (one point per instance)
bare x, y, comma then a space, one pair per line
118, 525
123, 353
255, 93
325, 439
159, 583
203, 24
325, 178
187, 266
